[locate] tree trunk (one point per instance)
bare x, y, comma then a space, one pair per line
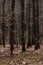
37, 45
23, 26
35, 39
12, 34
3, 26
28, 20
34, 24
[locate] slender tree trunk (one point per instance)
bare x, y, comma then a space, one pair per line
3, 26
28, 20
36, 25
23, 27
37, 45
12, 34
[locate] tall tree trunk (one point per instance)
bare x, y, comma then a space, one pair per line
28, 20
12, 34
35, 39
37, 45
23, 26
3, 26
34, 25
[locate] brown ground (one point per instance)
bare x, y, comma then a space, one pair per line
30, 57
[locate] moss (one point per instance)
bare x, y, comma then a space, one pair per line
32, 58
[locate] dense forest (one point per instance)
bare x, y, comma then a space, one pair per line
21, 32
21, 23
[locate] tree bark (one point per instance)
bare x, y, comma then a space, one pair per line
3, 26
23, 26
12, 33
28, 21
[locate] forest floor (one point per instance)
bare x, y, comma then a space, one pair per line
30, 57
